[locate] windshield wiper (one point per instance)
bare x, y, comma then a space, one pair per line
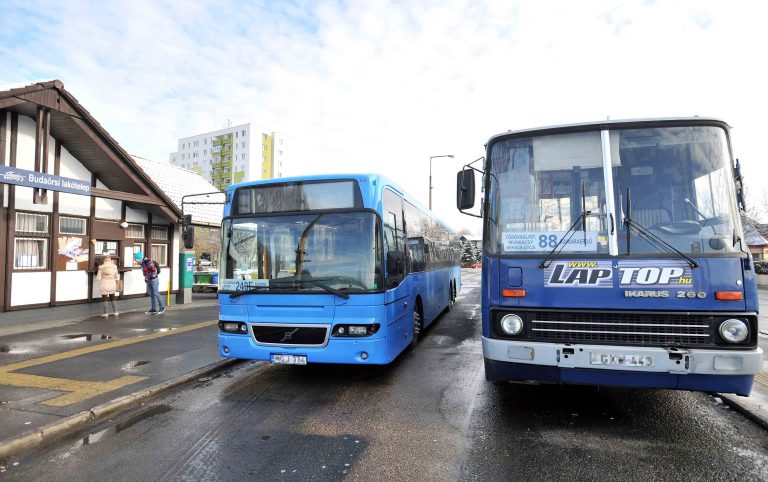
292, 282
582, 219
320, 284
296, 282
651, 238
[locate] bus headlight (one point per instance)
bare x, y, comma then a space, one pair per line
355, 330
233, 327
734, 331
511, 324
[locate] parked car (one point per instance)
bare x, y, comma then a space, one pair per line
477, 265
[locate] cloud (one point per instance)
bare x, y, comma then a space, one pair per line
382, 86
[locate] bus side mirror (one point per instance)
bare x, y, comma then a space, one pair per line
395, 263
465, 189
742, 204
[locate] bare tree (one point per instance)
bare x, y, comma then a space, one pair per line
757, 203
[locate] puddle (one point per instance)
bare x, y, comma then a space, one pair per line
135, 364
12, 350
127, 423
86, 337
81, 337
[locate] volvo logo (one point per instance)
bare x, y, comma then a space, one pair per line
288, 334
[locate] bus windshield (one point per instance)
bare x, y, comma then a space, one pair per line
674, 181
308, 252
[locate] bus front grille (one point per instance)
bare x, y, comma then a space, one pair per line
628, 328
294, 335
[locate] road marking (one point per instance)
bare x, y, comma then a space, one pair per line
80, 390
762, 378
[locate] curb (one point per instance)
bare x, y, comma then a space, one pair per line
61, 428
755, 411
16, 328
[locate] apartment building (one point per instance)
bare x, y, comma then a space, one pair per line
231, 155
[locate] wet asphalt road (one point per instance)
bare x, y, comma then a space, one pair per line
429, 416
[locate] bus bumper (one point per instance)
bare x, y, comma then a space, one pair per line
371, 351
727, 371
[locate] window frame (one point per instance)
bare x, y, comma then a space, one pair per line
45, 264
158, 227
46, 216
85, 226
164, 262
135, 225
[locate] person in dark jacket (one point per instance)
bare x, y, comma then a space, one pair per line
149, 269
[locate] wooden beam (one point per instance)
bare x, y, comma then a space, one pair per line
110, 152
11, 213
11, 101
5, 235
126, 196
136, 176
53, 245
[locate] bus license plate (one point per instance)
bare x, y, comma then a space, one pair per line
289, 359
621, 359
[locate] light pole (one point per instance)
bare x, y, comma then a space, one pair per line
430, 176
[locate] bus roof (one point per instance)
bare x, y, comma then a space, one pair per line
614, 124
374, 179
377, 180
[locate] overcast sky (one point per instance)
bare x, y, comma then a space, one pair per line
377, 86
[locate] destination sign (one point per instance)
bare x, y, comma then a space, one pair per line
518, 241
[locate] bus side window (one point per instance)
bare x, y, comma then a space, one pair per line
394, 238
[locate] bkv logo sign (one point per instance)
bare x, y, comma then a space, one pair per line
579, 274
12, 177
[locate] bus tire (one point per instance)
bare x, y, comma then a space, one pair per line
451, 298
418, 325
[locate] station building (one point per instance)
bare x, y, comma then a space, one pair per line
71, 195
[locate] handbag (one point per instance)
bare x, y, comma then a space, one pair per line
119, 285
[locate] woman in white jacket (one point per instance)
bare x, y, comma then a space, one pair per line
108, 276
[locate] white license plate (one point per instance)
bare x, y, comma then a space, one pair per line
289, 359
615, 359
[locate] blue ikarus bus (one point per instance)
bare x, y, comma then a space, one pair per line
613, 254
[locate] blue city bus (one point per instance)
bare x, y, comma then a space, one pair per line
330, 269
613, 254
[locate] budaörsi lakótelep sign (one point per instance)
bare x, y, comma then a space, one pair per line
22, 177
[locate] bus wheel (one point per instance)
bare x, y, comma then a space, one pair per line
417, 325
451, 298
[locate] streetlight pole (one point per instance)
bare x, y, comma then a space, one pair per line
430, 176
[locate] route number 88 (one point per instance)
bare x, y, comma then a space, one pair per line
547, 241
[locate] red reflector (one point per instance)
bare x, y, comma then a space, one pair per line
513, 293
728, 295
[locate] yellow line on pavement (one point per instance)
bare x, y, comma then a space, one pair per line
762, 378
80, 390
103, 346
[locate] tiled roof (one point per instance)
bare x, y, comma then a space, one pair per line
751, 235
177, 182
